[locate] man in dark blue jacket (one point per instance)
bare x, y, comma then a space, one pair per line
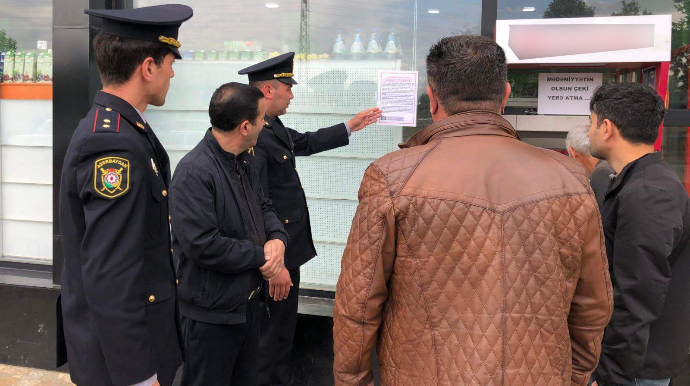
117, 322
275, 152
226, 236
646, 218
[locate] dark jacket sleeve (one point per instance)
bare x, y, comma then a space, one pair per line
321, 140
648, 226
261, 166
600, 180
195, 224
272, 225
112, 254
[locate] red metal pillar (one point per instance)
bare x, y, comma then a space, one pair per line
661, 86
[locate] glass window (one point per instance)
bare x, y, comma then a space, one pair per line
26, 131
341, 47
674, 141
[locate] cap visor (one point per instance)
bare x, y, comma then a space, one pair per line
174, 51
287, 80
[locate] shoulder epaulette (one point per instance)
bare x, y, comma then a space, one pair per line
107, 120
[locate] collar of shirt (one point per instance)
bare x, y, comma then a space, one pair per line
226, 157
141, 115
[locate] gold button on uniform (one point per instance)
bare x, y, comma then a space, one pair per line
177, 281
287, 221
284, 157
152, 299
106, 120
171, 250
108, 109
165, 193
169, 218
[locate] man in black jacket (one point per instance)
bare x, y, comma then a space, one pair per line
646, 218
275, 152
117, 321
226, 236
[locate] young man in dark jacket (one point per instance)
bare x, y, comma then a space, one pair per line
646, 217
226, 236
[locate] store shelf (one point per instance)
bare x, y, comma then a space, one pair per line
26, 91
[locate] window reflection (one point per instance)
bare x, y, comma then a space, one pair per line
340, 47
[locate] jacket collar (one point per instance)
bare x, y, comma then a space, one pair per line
632, 168
278, 128
123, 107
225, 157
474, 122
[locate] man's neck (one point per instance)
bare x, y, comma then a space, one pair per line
620, 159
228, 141
591, 164
130, 93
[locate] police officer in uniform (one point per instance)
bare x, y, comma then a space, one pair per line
275, 154
117, 321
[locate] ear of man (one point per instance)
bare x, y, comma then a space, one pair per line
433, 101
146, 69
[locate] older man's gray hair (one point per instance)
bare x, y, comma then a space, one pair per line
579, 140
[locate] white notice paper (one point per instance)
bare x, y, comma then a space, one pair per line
398, 98
566, 94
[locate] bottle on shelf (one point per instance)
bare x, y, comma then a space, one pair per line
339, 49
374, 48
391, 51
357, 48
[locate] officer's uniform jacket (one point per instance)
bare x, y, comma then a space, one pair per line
275, 153
118, 284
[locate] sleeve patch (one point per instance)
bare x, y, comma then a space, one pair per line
111, 176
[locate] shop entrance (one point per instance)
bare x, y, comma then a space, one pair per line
554, 65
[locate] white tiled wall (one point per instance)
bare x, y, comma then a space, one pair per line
26, 176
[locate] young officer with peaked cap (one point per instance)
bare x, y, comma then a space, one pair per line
118, 321
275, 153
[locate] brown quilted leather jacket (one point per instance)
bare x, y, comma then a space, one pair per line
473, 259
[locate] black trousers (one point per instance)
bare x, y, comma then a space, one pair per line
277, 334
222, 354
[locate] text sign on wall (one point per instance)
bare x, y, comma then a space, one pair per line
566, 94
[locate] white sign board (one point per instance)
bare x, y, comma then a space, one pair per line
398, 98
566, 94
618, 39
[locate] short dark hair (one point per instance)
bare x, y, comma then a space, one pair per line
637, 110
467, 72
232, 104
118, 57
260, 83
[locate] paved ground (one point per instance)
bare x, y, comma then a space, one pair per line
24, 376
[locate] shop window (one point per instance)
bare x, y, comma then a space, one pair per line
340, 46
26, 131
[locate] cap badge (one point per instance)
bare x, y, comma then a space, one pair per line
171, 41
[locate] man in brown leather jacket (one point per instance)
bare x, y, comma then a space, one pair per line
473, 258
